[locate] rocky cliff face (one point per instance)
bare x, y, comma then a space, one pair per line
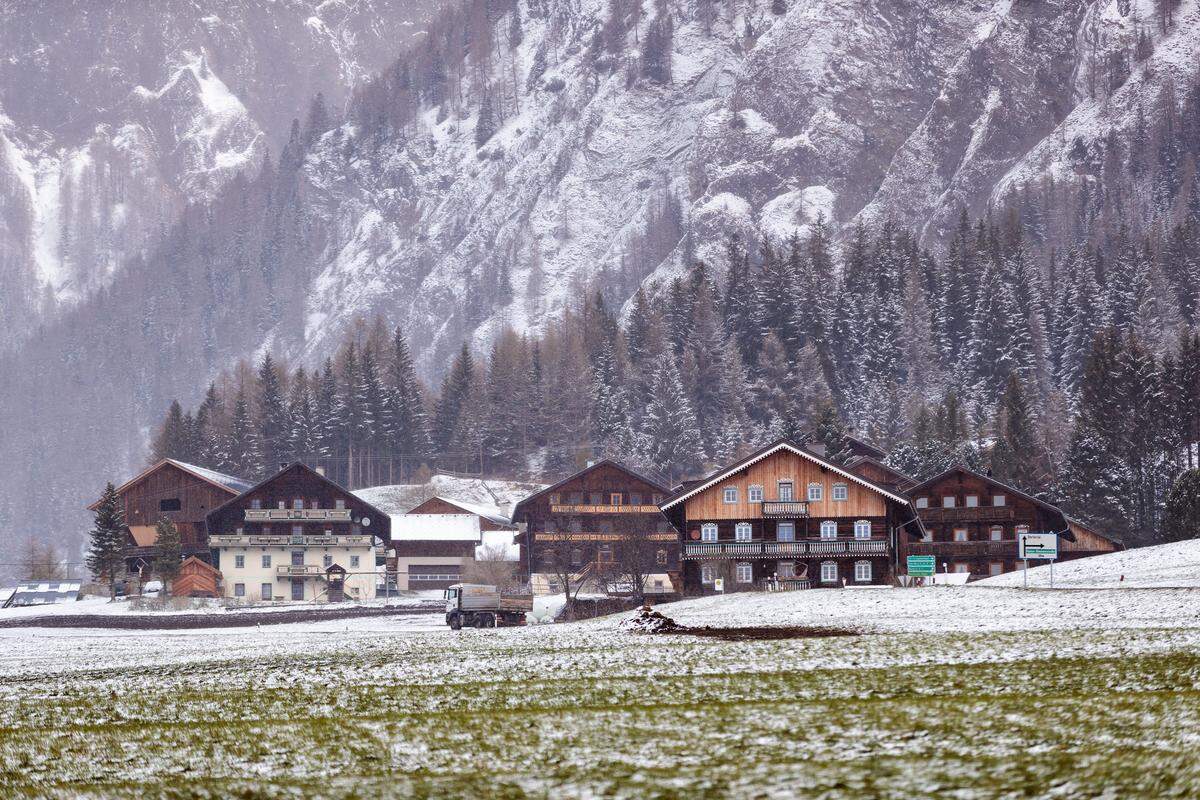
113, 116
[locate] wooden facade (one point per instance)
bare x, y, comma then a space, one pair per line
972, 522
875, 470
173, 490
590, 515
786, 513
197, 579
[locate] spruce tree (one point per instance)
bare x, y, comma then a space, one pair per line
242, 451
671, 438
272, 417
170, 552
455, 389
107, 539
1181, 519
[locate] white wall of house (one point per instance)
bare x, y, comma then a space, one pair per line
266, 572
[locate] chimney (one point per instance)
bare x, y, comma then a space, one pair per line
321, 471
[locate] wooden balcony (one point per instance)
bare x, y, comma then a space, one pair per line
784, 509
283, 540
1006, 549
298, 515
299, 571
601, 536
693, 551
967, 514
602, 509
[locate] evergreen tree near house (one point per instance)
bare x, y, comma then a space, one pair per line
670, 439
1181, 519
272, 418
106, 543
170, 552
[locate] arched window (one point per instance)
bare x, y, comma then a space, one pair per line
743, 532
828, 529
708, 532
862, 529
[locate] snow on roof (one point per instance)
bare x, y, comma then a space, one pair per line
233, 482
497, 496
1176, 564
491, 513
493, 540
37, 593
435, 527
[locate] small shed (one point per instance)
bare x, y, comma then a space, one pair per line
43, 593
197, 578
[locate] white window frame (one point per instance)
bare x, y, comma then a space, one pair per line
743, 532
791, 490
297, 504
708, 532
841, 492
266, 561
239, 590
922, 502
816, 492
862, 529
998, 500
354, 562
269, 594
863, 572
340, 504
948, 501
708, 573
996, 534
729, 495
744, 572
971, 501
754, 494
239, 561
780, 527
961, 535
829, 529
828, 572
961, 567
995, 568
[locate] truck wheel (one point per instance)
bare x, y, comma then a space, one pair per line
455, 621
485, 621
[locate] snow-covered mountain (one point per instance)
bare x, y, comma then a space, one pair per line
114, 115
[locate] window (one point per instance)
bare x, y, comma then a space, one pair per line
828, 572
997, 533
785, 490
922, 502
327, 560
354, 562
707, 573
1022, 529
256, 503
862, 529
972, 500
297, 530
730, 494
754, 494
266, 561
297, 558
239, 590
239, 562
297, 589
576, 498
708, 532
745, 573
960, 534
815, 492
595, 498
996, 568
169, 504
554, 499
614, 499
862, 571
282, 505
576, 524
660, 558
576, 557
960, 567
828, 529
268, 591
786, 569
785, 531
266, 530
743, 532
548, 555
997, 499
240, 530
948, 502
340, 504
635, 498
605, 554
841, 491
298, 503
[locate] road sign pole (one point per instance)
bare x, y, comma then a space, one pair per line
1052, 573
1025, 572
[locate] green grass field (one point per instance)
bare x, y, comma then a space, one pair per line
578, 711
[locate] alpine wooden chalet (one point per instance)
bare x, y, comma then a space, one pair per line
578, 527
972, 521
788, 515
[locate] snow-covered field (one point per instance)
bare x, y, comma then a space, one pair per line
955, 691
1176, 564
102, 606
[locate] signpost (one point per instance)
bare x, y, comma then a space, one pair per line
1037, 545
719, 584
921, 566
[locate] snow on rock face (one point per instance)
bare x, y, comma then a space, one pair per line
791, 213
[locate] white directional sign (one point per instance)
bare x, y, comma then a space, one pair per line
1037, 545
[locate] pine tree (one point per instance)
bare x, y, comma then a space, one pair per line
172, 438
107, 539
406, 422
1181, 519
1015, 457
671, 441
272, 418
170, 552
242, 451
485, 123
302, 420
450, 402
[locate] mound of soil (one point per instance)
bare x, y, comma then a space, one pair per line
649, 621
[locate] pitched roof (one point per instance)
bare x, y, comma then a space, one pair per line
48, 592
963, 468
781, 444
854, 461
230, 483
490, 513
607, 461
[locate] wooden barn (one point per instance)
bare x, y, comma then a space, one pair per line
595, 527
787, 516
436, 540
196, 579
972, 522
180, 492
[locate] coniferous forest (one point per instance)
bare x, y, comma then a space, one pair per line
1074, 378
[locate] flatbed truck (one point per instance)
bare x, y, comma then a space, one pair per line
477, 605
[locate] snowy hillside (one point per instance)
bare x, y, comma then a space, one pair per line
490, 496
1166, 565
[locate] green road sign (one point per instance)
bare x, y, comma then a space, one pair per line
921, 566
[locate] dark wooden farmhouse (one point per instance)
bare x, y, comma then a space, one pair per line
182, 493
791, 517
972, 522
599, 526
434, 542
278, 540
